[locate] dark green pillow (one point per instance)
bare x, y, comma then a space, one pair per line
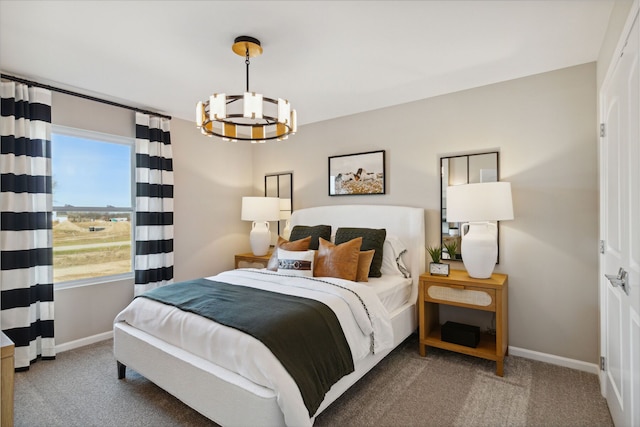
371, 239
316, 231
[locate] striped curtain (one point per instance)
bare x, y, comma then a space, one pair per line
26, 256
154, 204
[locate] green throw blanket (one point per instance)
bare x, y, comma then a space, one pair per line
302, 333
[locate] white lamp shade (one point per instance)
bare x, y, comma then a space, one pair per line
285, 204
260, 209
285, 215
488, 201
285, 208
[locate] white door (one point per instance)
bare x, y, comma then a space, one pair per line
620, 230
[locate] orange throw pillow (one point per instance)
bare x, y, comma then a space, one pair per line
296, 245
338, 260
364, 263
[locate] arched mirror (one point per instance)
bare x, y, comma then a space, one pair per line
280, 185
456, 170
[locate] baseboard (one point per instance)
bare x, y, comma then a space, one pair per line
83, 341
591, 368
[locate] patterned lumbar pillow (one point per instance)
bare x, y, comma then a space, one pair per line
296, 263
298, 245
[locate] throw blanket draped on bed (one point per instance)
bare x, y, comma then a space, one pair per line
303, 334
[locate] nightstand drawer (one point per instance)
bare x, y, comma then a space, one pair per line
250, 260
466, 296
250, 264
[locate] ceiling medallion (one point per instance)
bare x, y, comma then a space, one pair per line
248, 117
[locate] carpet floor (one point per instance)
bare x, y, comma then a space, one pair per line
80, 388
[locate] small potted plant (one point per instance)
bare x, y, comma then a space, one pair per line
452, 248
436, 267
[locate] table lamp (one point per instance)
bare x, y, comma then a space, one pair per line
260, 210
285, 215
476, 205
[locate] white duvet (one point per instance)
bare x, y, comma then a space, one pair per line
365, 322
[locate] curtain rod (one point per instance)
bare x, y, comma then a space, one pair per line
80, 95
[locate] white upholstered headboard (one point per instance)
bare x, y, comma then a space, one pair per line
406, 223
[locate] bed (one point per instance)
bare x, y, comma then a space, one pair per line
231, 396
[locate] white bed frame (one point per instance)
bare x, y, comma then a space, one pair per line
231, 400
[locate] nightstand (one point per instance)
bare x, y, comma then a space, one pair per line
458, 289
249, 260
6, 387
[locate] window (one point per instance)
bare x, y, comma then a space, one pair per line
93, 215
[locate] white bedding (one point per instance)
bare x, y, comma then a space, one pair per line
393, 291
247, 356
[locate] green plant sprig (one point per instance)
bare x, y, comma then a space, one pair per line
435, 252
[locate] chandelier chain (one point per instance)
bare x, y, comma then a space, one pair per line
247, 61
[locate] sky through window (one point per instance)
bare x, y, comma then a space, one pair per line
90, 173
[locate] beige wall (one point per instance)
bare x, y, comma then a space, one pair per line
545, 129
211, 176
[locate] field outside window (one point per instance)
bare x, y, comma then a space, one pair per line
93, 205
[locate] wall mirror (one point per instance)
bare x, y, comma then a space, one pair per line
456, 170
280, 185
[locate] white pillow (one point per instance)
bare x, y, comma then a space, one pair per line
296, 263
392, 263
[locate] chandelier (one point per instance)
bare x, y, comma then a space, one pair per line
248, 117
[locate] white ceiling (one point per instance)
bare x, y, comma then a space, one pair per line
329, 58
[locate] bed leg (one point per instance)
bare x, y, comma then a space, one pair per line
122, 369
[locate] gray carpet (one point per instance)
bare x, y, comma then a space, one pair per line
80, 388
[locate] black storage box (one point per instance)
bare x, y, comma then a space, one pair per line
459, 333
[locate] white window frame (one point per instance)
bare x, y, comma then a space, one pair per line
113, 139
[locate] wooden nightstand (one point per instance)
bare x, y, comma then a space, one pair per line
249, 260
6, 385
460, 290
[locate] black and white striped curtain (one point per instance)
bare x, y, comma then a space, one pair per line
154, 204
26, 239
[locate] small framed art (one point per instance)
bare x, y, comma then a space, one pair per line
357, 174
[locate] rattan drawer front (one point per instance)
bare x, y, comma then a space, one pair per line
484, 298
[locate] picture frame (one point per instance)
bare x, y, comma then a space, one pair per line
357, 174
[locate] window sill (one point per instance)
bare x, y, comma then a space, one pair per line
116, 279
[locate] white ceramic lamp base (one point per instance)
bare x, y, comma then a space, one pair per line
286, 232
479, 248
260, 238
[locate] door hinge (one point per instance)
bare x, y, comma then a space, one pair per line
602, 363
602, 130
601, 249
